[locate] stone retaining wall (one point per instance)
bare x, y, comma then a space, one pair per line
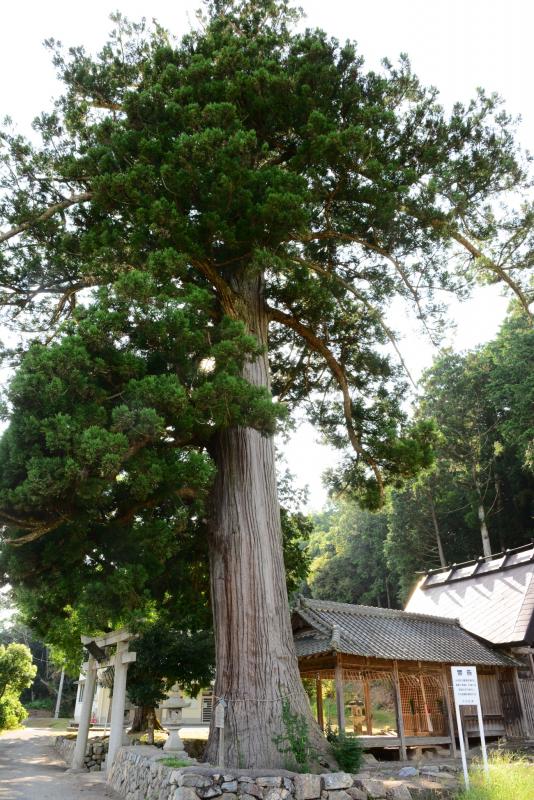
95, 753
138, 774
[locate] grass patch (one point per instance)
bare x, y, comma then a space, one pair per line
510, 778
160, 737
47, 722
173, 762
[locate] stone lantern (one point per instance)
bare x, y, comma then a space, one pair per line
172, 719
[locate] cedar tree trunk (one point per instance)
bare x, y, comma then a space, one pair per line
256, 666
145, 720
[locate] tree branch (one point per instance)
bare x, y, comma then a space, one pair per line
476, 252
37, 528
493, 267
338, 372
375, 248
186, 493
40, 529
375, 313
46, 214
108, 105
230, 300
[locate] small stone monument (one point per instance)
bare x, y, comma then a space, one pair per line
172, 720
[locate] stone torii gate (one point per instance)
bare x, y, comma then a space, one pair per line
98, 660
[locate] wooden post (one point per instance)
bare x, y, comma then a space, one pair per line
464, 727
340, 700
428, 718
398, 708
524, 718
445, 680
319, 694
368, 711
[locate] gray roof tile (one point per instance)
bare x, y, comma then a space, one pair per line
493, 597
389, 634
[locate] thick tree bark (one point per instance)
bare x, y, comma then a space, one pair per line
145, 720
256, 666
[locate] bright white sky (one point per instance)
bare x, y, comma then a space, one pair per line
455, 45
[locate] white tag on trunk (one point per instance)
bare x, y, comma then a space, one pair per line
219, 714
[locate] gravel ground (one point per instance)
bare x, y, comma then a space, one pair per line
31, 769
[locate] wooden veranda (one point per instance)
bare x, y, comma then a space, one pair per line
399, 703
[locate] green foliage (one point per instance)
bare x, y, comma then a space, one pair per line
166, 656
16, 673
17, 670
295, 743
42, 704
12, 712
346, 749
347, 551
296, 530
509, 361
190, 164
476, 401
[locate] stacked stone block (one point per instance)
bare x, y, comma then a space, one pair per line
95, 752
138, 774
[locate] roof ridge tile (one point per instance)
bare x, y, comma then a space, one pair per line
363, 610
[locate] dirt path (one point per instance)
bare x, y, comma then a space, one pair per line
31, 769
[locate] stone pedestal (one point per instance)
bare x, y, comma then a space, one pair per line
172, 720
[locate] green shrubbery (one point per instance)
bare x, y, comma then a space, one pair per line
346, 750
41, 704
17, 672
12, 712
295, 744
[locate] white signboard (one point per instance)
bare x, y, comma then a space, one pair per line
465, 687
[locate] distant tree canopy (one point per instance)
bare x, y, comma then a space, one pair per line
483, 405
347, 551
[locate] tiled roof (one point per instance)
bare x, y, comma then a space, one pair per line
386, 633
492, 597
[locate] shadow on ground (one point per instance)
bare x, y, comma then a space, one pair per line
31, 769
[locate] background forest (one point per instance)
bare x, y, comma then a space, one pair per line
478, 495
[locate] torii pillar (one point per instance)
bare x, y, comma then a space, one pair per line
120, 662
118, 703
90, 670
